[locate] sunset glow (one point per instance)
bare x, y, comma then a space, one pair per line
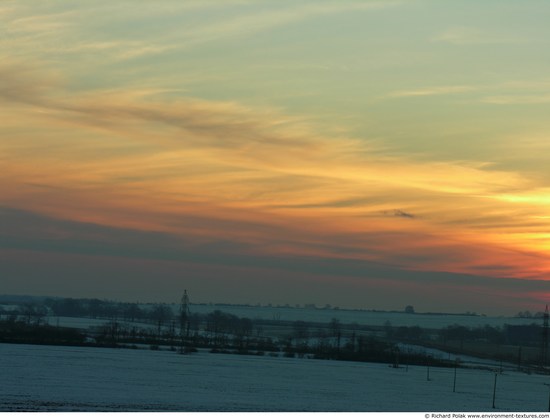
277, 137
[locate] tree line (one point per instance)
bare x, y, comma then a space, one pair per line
159, 325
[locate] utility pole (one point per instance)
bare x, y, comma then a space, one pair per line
548, 385
495, 389
544, 346
184, 314
184, 317
454, 379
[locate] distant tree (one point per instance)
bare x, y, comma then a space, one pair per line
40, 313
27, 310
243, 331
111, 331
69, 307
33, 312
410, 333
454, 332
336, 330
113, 310
388, 329
219, 324
245, 326
525, 314
96, 308
353, 338
300, 330
409, 309
195, 323
214, 322
335, 326
132, 312
258, 327
161, 314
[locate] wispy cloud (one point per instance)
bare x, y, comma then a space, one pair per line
71, 32
252, 23
21, 83
222, 169
432, 91
46, 23
402, 214
534, 99
465, 35
513, 92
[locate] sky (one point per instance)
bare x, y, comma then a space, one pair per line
364, 154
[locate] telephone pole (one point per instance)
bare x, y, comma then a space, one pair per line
544, 346
184, 315
495, 389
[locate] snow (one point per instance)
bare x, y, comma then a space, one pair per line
362, 317
75, 322
464, 360
9, 307
59, 378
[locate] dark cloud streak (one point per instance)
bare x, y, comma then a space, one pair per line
44, 234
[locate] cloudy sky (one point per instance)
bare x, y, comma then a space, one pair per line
366, 154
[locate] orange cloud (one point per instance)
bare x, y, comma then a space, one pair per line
257, 176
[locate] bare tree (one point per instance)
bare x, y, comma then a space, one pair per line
336, 330
161, 314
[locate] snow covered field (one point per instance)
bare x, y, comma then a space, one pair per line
59, 378
322, 316
362, 317
76, 322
